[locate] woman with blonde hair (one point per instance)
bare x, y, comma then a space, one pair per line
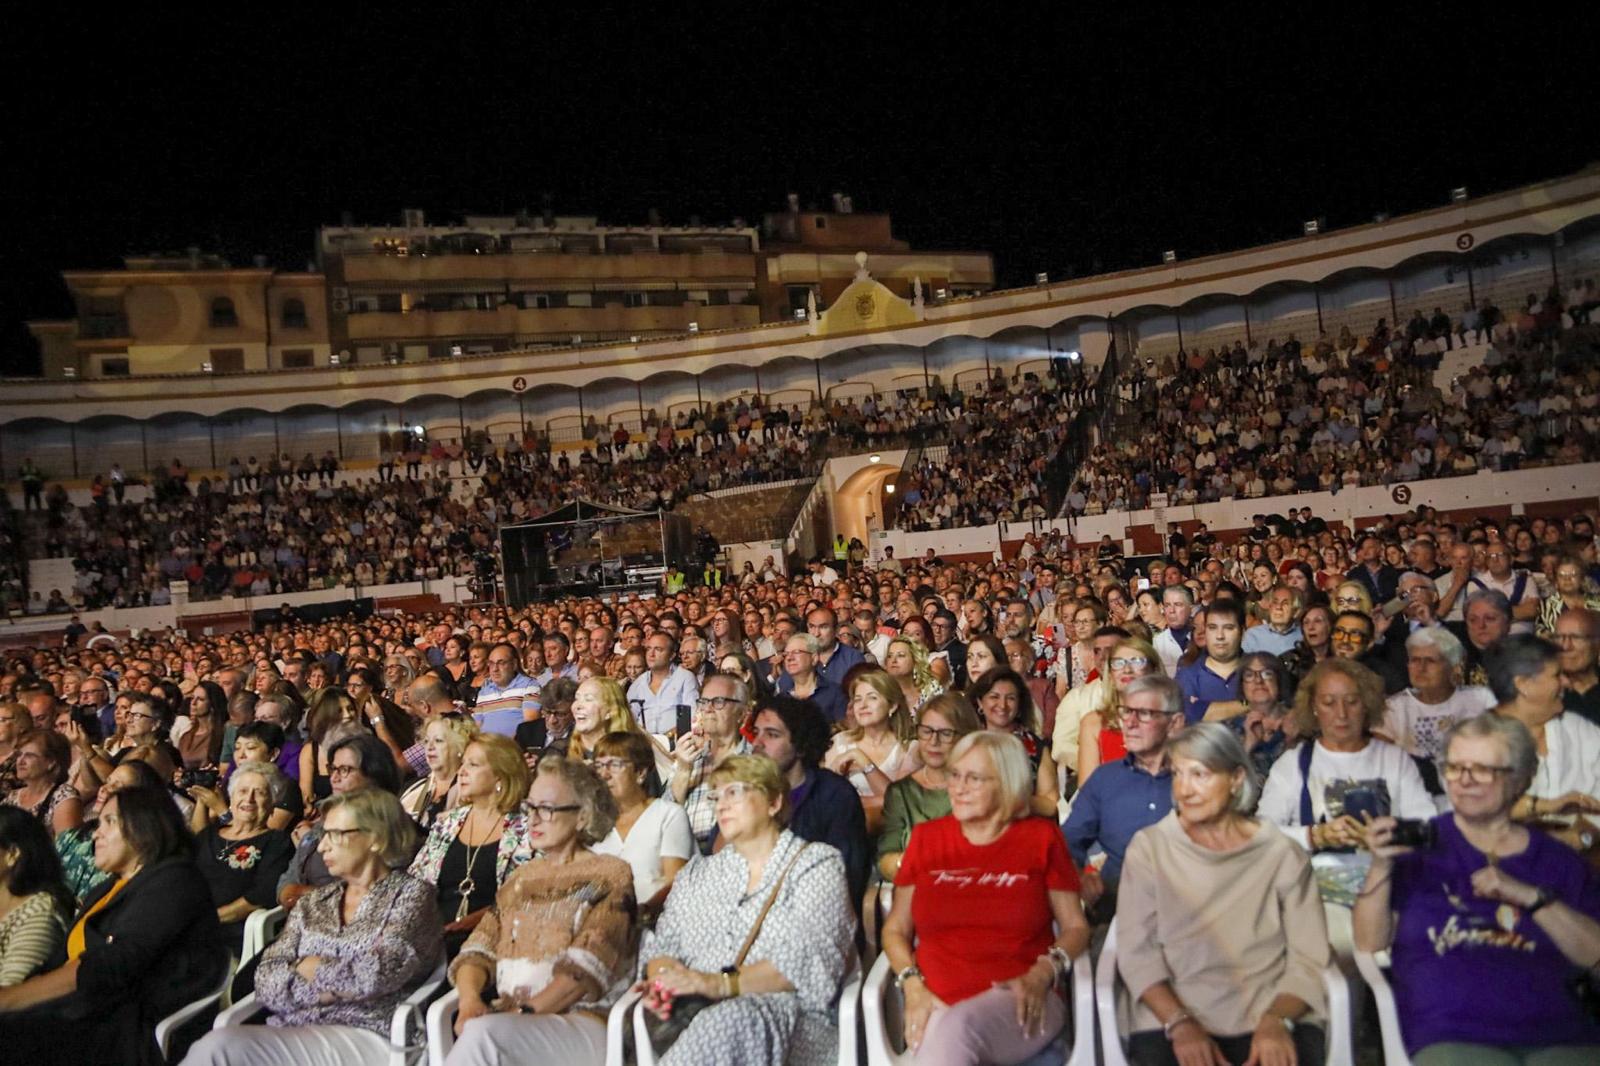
444, 741
473, 848
1100, 728
979, 957
906, 661
599, 707
882, 746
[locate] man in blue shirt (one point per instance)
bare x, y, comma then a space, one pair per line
1282, 630
834, 660
1215, 678
802, 678
1123, 797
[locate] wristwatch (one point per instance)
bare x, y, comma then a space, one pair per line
1542, 897
907, 974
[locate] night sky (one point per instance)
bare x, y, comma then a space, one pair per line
1059, 141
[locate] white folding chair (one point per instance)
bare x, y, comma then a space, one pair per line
167, 1027
1115, 1009
406, 1020
1374, 971
880, 1045
847, 1005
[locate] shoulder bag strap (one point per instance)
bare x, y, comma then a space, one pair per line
1307, 749
772, 898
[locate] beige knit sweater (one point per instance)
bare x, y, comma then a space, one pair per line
1229, 930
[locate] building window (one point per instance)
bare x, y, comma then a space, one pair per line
633, 299
297, 358
294, 314
223, 316
227, 360
114, 368
822, 223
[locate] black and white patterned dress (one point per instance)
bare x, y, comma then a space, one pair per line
808, 935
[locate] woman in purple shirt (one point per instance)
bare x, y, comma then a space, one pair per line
1488, 922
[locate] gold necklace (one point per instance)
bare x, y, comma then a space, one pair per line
467, 885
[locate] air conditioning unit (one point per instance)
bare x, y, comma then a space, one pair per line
69, 371
694, 327
340, 306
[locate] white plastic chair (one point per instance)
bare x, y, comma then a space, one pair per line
407, 1018
260, 929
167, 1027
1374, 971
849, 1027
1115, 1009
880, 985
442, 1022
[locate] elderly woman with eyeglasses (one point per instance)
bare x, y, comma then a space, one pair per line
349, 952
975, 954
778, 1005
1485, 918
925, 794
557, 944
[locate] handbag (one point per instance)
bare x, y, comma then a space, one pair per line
663, 1031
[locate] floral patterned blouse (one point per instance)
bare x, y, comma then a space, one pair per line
368, 965
515, 847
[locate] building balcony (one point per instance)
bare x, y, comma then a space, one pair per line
552, 267
557, 323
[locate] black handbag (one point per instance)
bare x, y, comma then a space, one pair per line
663, 1031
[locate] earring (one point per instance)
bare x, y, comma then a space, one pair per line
498, 787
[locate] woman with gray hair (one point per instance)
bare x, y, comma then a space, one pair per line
1525, 674
970, 935
1418, 718
1484, 917
1221, 937
349, 953
240, 857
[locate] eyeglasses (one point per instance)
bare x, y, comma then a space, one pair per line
1471, 772
1347, 601
143, 714
609, 765
339, 836
717, 703
544, 812
1147, 714
1260, 675
1130, 662
733, 792
944, 736
1570, 638
965, 779
1347, 633
342, 771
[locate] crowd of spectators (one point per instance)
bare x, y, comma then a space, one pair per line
1226, 735
432, 509
1276, 419
1001, 443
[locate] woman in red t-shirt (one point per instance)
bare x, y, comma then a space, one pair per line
977, 892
